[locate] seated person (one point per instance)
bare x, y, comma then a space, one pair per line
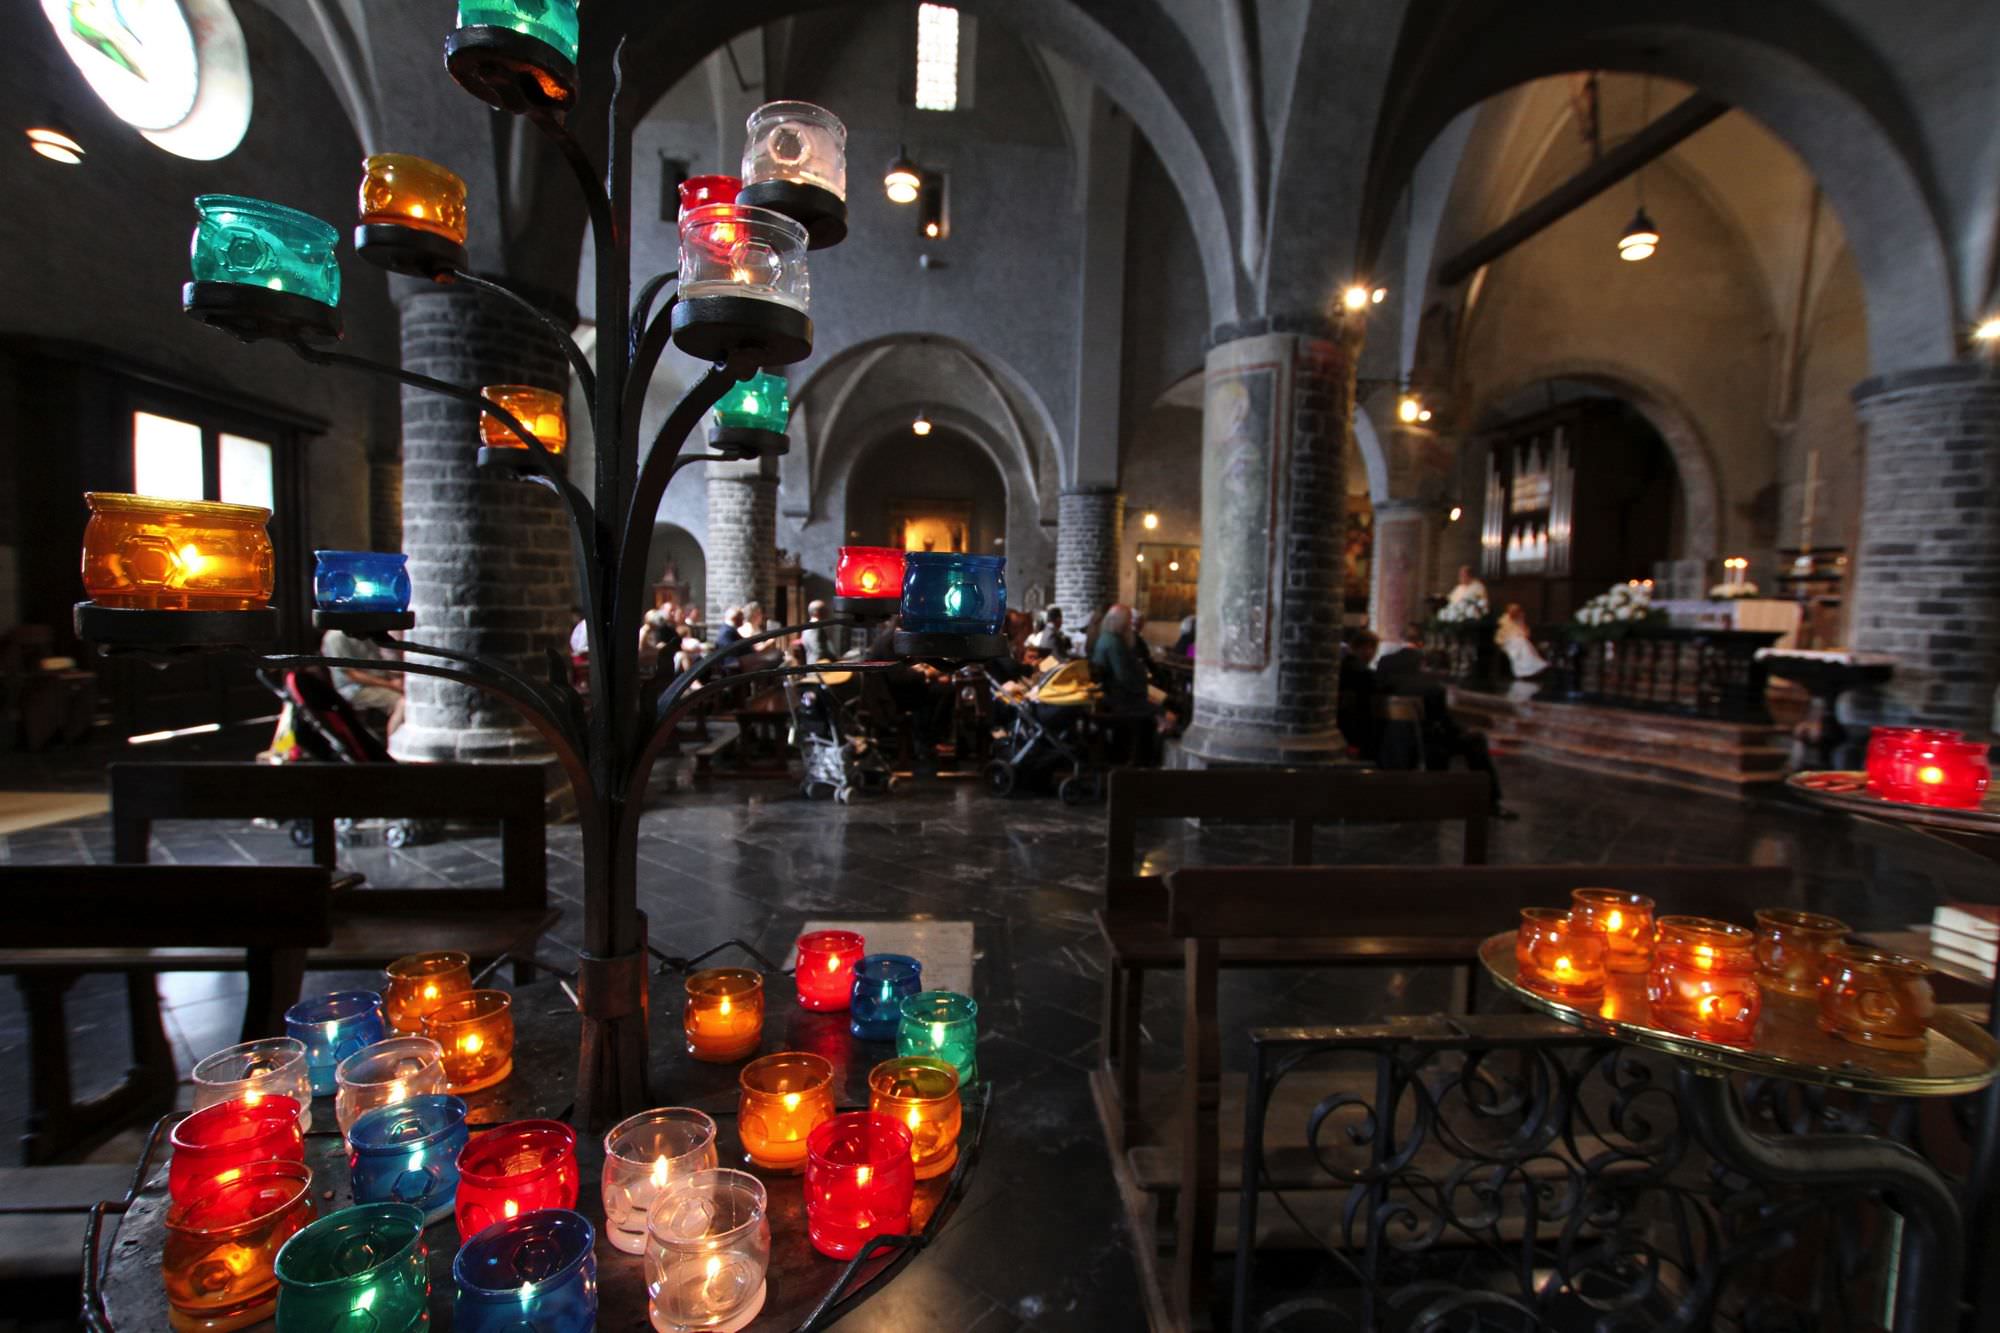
1049, 640
920, 691
376, 695
1355, 711
1119, 670
732, 627
1402, 672
817, 639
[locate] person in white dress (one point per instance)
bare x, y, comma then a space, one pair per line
1512, 636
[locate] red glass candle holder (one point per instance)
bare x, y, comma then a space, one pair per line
1884, 743
222, 1138
1950, 773
514, 1169
218, 1261
859, 1182
869, 572
1704, 979
1792, 948
1557, 956
1624, 919
1876, 999
825, 972
698, 190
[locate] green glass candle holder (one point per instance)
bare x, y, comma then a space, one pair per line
550, 21
365, 1267
762, 402
944, 1025
255, 243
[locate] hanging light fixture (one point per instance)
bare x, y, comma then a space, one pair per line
1641, 237
1408, 408
904, 181
55, 144
922, 425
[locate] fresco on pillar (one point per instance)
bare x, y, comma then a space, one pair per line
1239, 478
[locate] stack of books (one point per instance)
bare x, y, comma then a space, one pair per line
1967, 934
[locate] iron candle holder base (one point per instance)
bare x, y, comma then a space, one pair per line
717, 328
956, 647
819, 210
510, 70
252, 313
364, 623
874, 609
411, 251
135, 627
518, 461
749, 442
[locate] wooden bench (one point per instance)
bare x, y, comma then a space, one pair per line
1133, 921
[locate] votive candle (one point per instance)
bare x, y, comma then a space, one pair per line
217, 1140
1876, 999
535, 1272
922, 1093
420, 983
1792, 948
222, 1241
1703, 982
708, 1248
408, 1153
255, 1070
362, 1268
1555, 955
1885, 745
782, 1099
476, 1030
882, 981
1954, 774
825, 972
1624, 919
944, 1024
333, 1027
859, 1182
386, 1073
643, 1156
513, 1169
724, 1018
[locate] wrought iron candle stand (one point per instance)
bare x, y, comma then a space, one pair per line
606, 748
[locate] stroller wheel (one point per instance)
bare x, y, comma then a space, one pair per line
1000, 777
841, 794
810, 790
1080, 789
301, 832
399, 833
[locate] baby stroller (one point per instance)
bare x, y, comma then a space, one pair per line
1052, 726
316, 725
838, 755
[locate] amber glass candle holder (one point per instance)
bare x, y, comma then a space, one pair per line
724, 1018
476, 1031
220, 1139
142, 553
782, 1099
1876, 999
644, 1156
1624, 919
859, 1182
1557, 956
1703, 982
386, 1073
403, 190
708, 1248
513, 1169
825, 972
922, 1093
542, 411
254, 1070
419, 984
220, 1253
1792, 948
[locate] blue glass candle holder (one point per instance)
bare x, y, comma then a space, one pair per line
550, 21
408, 1153
333, 1027
361, 581
882, 981
359, 1268
945, 592
945, 1025
532, 1272
256, 243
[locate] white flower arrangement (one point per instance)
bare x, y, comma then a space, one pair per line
1623, 604
1729, 592
1463, 611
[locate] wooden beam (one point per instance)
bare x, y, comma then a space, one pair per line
1656, 140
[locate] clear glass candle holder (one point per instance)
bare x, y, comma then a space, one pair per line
1792, 948
781, 1099
708, 1247
1624, 919
948, 592
868, 572
553, 22
643, 1157
742, 250
408, 1153
386, 1073
797, 142
220, 1139
824, 974
544, 412
534, 1272
222, 1242
364, 1268
417, 985
1558, 957
922, 1093
514, 1169
943, 1024
333, 1027
882, 981
1876, 999
254, 1070
150, 554
859, 1182
724, 1018
476, 1030
256, 243
404, 190
1703, 982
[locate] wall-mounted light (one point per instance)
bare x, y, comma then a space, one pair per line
903, 182
1457, 512
933, 206
54, 144
1173, 566
1356, 297
922, 425
1377, 296
1410, 409
1987, 332
1641, 238
1141, 557
1151, 521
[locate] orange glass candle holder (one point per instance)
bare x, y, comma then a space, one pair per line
176, 555
402, 190
222, 1242
1557, 956
782, 1099
476, 1031
825, 972
513, 1169
1624, 919
1792, 948
218, 1141
1703, 982
724, 1018
419, 984
922, 1093
1876, 999
542, 411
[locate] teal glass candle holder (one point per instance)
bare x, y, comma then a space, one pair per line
361, 581
946, 592
882, 981
535, 1271
945, 1025
360, 1268
408, 1153
762, 402
255, 243
333, 1027
550, 21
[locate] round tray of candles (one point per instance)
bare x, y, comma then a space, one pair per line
1847, 791
1958, 1055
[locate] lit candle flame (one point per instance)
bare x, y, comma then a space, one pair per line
659, 1172
1704, 957
251, 1097
192, 560
741, 275
1707, 1005
1614, 920
870, 580
714, 1267
937, 1036
1563, 967
471, 1043
833, 962
1930, 775
430, 990
510, 1209
791, 1101
915, 1118
723, 1008
863, 1175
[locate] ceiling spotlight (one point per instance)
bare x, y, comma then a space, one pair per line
1641, 238
1151, 521
931, 230
1457, 512
903, 182
1355, 298
1173, 566
921, 426
1408, 409
56, 145
1377, 296
1424, 414
1141, 557
1988, 330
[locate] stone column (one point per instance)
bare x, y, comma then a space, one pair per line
1927, 575
489, 557
1405, 542
742, 549
1273, 495
1090, 534
385, 504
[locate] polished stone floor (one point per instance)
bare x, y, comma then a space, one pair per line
1039, 1242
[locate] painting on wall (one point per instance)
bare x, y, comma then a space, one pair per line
1166, 579
1358, 554
931, 525
1238, 427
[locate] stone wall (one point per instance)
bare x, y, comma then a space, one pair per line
1089, 538
742, 551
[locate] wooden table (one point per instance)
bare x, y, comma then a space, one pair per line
805, 1289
